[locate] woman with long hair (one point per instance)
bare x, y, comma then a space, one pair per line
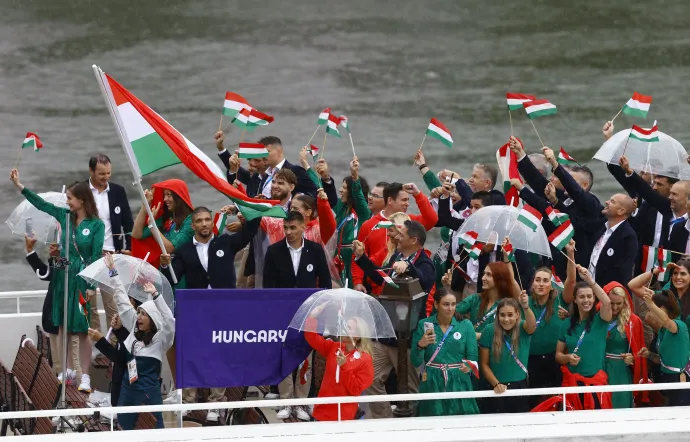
581, 348
504, 354
679, 284
545, 302
673, 342
85, 238
624, 341
152, 331
350, 212
352, 354
446, 348
498, 282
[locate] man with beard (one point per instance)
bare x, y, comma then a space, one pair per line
254, 178
208, 262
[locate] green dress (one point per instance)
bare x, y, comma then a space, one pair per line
85, 247
617, 371
176, 236
505, 367
592, 350
545, 337
347, 224
461, 343
471, 305
674, 349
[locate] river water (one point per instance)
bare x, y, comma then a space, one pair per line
388, 65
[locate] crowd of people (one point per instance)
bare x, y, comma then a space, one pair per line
496, 321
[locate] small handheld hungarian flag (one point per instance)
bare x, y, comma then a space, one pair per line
437, 130
508, 248
314, 151
219, 220
234, 103
565, 159
345, 123
383, 224
32, 140
83, 308
562, 235
556, 217
539, 108
252, 150
646, 135
474, 366
530, 217
257, 118
467, 239
556, 282
515, 101
332, 127
323, 117
507, 165
655, 256
387, 278
475, 251
638, 105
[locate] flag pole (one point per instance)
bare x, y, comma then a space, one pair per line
420, 149
567, 257
220, 125
626, 145
619, 112
323, 149
312, 135
352, 144
133, 166
18, 157
510, 117
535, 131
242, 135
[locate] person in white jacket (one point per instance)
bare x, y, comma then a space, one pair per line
152, 328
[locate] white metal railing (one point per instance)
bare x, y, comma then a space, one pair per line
22, 294
562, 391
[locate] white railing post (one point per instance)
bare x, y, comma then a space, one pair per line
18, 306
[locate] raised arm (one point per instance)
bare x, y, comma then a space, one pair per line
644, 190
44, 206
128, 315
515, 285
316, 341
530, 322
168, 336
361, 205
327, 223
365, 264
666, 322
604, 301
641, 281
571, 274
529, 172
427, 215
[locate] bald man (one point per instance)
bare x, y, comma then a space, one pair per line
613, 255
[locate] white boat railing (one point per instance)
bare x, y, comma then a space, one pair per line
22, 294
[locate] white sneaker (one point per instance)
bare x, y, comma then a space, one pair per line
271, 396
301, 414
284, 413
85, 384
71, 377
173, 397
212, 416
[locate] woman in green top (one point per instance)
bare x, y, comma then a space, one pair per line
582, 341
351, 210
85, 238
498, 282
446, 348
619, 359
545, 302
673, 343
504, 354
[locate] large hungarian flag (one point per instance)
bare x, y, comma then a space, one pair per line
156, 144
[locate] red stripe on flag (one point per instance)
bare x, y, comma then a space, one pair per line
660, 259
178, 145
533, 211
535, 103
514, 96
645, 131
559, 230
251, 146
642, 98
566, 155
440, 125
236, 97
261, 115
334, 119
38, 141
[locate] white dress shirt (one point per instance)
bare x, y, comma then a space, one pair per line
266, 191
202, 252
295, 255
103, 206
657, 229
599, 247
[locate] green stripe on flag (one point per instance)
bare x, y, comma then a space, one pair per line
513, 107
30, 143
436, 135
334, 132
646, 140
634, 112
153, 154
251, 210
252, 155
542, 113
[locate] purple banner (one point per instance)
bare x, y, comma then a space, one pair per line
236, 338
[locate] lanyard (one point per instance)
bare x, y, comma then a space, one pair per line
267, 181
541, 316
347, 218
579, 341
438, 349
612, 325
512, 353
486, 316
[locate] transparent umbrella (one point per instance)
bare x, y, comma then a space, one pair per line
26, 219
133, 272
493, 223
666, 157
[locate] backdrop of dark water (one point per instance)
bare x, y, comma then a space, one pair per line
388, 65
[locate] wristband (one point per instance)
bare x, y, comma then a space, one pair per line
418, 347
422, 166
112, 272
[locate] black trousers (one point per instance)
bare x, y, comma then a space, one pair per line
676, 398
544, 372
511, 404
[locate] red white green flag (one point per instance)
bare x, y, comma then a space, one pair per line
556, 217
332, 127
437, 130
562, 235
508, 248
467, 239
234, 103
565, 159
530, 217
474, 366
475, 250
656, 257
257, 118
219, 220
646, 135
32, 140
384, 224
539, 108
314, 151
638, 105
507, 164
252, 150
156, 144
556, 282
345, 123
323, 116
515, 100
388, 280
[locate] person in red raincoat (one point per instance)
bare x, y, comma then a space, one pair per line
352, 355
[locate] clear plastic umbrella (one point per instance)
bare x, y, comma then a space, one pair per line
133, 272
26, 219
666, 157
341, 306
493, 223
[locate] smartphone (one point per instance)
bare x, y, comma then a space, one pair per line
428, 328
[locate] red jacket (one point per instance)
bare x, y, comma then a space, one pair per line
375, 240
356, 375
572, 401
